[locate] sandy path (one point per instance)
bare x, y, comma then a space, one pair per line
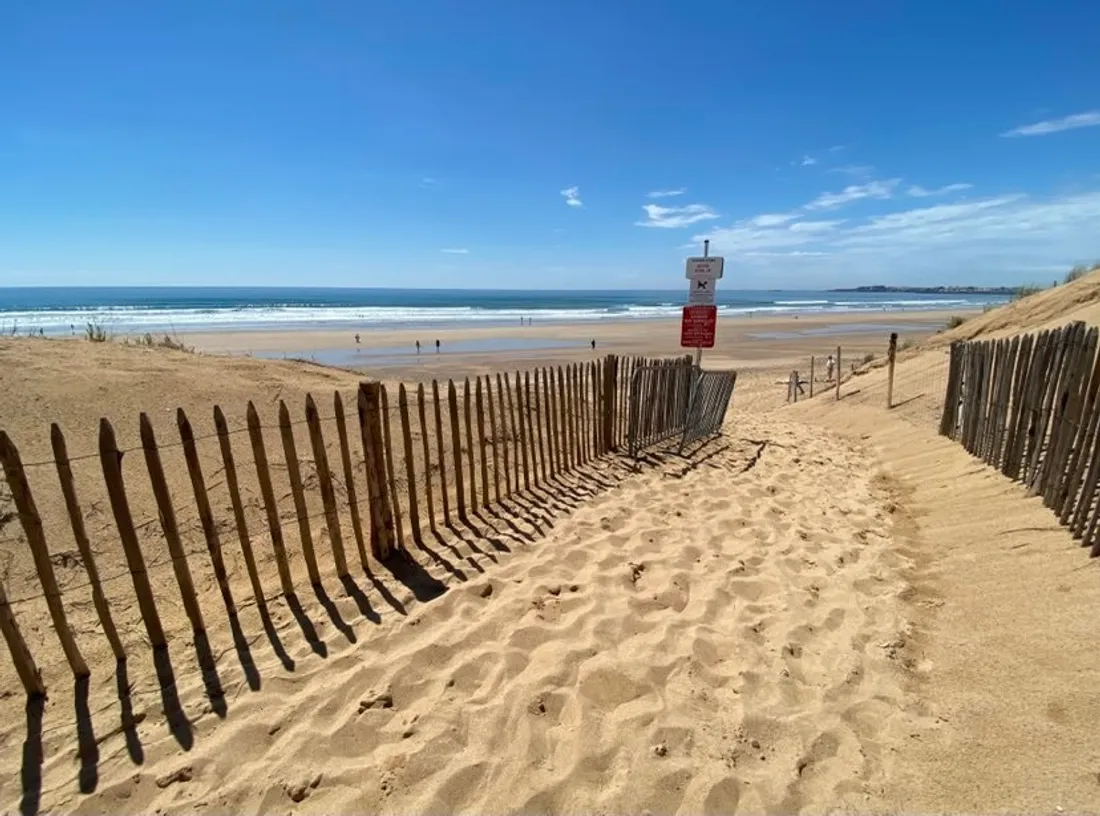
708, 639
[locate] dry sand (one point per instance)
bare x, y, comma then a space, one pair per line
828, 608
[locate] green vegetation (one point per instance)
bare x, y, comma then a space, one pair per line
1080, 271
166, 341
1027, 290
955, 321
96, 332
868, 357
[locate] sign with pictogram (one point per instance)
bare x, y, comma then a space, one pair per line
701, 291
697, 327
705, 267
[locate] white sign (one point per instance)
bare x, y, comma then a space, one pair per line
701, 291
705, 267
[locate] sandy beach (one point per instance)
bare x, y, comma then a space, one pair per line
807, 614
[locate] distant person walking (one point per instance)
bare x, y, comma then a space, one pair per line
357, 338
437, 347
593, 345
830, 365
418, 347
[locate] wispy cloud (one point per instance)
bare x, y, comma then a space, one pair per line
456, 251
1077, 120
808, 161
916, 191
674, 217
1009, 235
854, 192
666, 193
772, 219
572, 196
859, 171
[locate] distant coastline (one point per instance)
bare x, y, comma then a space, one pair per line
933, 290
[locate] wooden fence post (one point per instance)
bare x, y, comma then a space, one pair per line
441, 449
532, 421
233, 487
494, 436
482, 443
891, 359
514, 437
552, 422
80, 534
398, 538
838, 372
471, 456
20, 655
271, 509
521, 431
370, 426
349, 478
410, 469
420, 408
540, 421
324, 479
609, 403
301, 511
811, 376
202, 504
36, 540
503, 434
168, 524
456, 445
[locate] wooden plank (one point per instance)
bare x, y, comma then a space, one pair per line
513, 436
167, 517
1051, 385
441, 449
531, 418
349, 478
521, 434
80, 534
1084, 514
301, 511
324, 482
390, 455
891, 360
996, 378
25, 667
494, 436
502, 435
456, 444
1079, 459
1027, 384
811, 376
553, 442
370, 425
584, 370
1068, 423
31, 523
202, 504
263, 476
1007, 382
838, 376
471, 445
540, 427
482, 442
578, 423
233, 487
608, 390
563, 422
421, 410
410, 467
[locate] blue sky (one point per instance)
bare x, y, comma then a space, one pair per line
566, 144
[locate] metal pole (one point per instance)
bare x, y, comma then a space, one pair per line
699, 351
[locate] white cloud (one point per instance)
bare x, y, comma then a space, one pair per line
772, 219
808, 161
854, 192
674, 217
666, 193
1077, 120
998, 239
572, 196
836, 148
456, 251
916, 191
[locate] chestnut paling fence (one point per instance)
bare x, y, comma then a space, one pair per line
169, 522
1030, 406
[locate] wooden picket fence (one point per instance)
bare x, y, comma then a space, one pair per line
499, 438
1030, 406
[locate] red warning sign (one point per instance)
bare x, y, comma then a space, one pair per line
697, 326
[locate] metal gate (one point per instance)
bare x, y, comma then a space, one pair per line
674, 398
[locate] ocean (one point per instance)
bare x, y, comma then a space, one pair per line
182, 310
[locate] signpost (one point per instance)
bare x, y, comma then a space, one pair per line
700, 318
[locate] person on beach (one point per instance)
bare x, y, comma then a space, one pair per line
357, 338
593, 345
437, 347
830, 364
417, 346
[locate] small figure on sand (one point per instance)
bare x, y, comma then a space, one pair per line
357, 338
437, 347
593, 345
417, 346
830, 364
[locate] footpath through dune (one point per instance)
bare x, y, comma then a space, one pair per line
729, 636
1004, 631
